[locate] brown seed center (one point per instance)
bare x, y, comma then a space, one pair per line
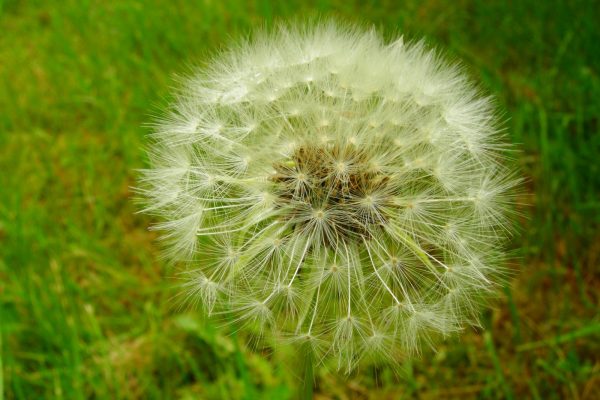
332, 176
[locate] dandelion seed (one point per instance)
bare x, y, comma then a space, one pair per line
331, 189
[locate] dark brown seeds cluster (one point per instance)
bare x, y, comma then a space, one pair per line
331, 177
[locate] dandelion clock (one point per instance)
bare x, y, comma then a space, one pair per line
326, 188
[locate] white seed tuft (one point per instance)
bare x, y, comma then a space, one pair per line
335, 190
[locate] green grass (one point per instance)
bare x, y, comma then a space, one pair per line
86, 307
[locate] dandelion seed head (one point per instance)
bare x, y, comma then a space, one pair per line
329, 187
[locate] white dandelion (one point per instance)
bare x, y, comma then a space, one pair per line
332, 189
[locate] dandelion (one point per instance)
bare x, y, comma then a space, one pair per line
334, 190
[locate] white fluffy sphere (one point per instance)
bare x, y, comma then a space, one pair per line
331, 188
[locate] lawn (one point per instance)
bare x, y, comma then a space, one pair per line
87, 307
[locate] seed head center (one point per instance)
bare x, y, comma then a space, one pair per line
326, 176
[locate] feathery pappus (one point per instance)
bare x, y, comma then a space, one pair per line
330, 188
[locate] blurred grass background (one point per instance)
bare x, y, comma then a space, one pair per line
85, 309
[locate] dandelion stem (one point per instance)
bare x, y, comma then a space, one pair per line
308, 380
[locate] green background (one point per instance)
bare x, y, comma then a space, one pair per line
86, 305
